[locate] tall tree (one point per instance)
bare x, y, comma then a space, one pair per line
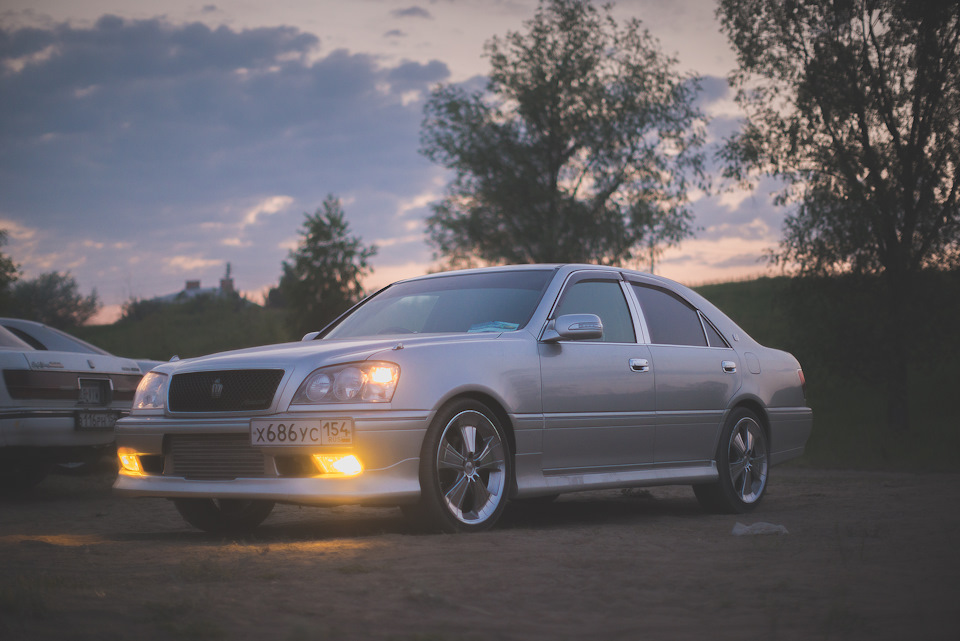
581, 148
54, 299
9, 272
855, 106
322, 277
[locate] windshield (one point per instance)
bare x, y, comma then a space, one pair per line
459, 303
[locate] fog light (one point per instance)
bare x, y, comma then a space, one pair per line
129, 461
338, 464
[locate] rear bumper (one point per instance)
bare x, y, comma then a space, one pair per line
39, 428
789, 430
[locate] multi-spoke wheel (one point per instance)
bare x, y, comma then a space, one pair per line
743, 466
465, 469
224, 516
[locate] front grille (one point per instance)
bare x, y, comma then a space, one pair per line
214, 457
225, 391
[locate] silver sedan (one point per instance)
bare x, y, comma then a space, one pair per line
451, 394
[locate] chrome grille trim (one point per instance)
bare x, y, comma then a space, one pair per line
224, 391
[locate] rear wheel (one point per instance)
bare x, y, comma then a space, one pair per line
224, 516
465, 470
743, 465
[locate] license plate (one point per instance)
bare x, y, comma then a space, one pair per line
330, 431
96, 420
92, 392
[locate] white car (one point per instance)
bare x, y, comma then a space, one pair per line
57, 406
44, 337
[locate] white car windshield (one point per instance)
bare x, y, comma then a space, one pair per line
460, 303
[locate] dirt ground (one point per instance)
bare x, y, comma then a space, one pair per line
868, 556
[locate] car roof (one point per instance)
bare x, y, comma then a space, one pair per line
49, 338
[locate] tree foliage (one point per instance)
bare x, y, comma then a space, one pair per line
581, 148
53, 299
322, 277
855, 106
9, 272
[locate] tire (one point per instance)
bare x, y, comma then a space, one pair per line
466, 470
224, 516
743, 466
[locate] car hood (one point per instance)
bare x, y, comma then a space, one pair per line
314, 353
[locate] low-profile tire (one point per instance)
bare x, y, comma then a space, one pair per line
466, 470
743, 463
224, 516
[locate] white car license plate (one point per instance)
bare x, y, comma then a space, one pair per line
91, 392
96, 420
328, 431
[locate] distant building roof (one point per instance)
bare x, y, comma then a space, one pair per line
193, 289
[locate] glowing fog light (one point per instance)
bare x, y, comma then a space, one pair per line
129, 461
338, 464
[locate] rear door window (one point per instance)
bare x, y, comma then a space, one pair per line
670, 319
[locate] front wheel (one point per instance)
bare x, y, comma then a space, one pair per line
466, 470
224, 516
743, 465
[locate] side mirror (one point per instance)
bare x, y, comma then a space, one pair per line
573, 327
310, 336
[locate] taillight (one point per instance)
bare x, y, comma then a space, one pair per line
803, 382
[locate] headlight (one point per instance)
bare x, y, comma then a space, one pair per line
151, 392
352, 383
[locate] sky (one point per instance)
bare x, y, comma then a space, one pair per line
146, 143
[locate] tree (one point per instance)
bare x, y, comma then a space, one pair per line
54, 299
855, 106
9, 271
581, 148
323, 276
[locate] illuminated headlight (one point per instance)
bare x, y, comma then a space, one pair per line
352, 383
151, 392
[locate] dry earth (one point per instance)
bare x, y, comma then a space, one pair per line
868, 556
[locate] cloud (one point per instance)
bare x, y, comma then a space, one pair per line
174, 144
189, 264
268, 206
412, 12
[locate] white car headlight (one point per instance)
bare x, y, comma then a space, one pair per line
151, 392
372, 382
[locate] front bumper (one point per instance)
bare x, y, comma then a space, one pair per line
386, 443
396, 485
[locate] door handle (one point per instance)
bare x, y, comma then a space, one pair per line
639, 365
729, 367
